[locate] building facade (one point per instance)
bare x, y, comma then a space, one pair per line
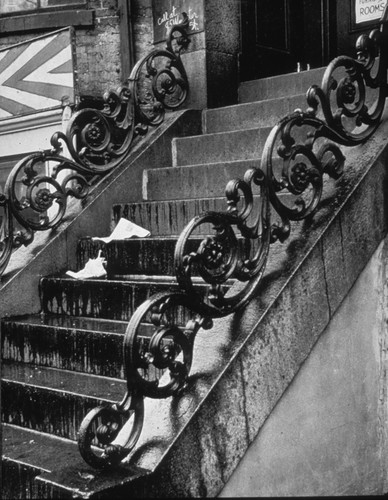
231, 41
56, 54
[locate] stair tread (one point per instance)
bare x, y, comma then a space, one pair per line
241, 144
133, 279
275, 87
108, 389
260, 113
264, 130
140, 279
78, 323
36, 449
249, 104
249, 163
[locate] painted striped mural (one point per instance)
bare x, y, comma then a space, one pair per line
37, 75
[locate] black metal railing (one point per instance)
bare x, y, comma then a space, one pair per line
345, 110
98, 139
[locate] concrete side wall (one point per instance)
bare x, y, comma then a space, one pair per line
328, 433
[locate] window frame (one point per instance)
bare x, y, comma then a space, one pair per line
46, 18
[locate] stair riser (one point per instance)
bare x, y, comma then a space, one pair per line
195, 181
166, 218
43, 410
190, 182
101, 299
279, 86
138, 257
95, 353
18, 480
131, 257
223, 147
252, 115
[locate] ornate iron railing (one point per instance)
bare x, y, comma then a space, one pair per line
231, 260
98, 139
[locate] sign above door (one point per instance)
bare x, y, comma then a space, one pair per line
368, 10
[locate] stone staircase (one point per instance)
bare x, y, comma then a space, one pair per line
59, 364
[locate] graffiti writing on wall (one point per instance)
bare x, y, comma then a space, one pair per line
169, 12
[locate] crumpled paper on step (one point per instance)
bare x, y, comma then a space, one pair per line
125, 229
94, 268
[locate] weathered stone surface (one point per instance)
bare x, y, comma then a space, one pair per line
253, 114
254, 353
327, 436
284, 322
279, 86
222, 147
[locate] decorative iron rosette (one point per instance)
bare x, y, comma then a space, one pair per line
99, 139
158, 343
36, 197
353, 91
157, 353
295, 158
158, 82
231, 258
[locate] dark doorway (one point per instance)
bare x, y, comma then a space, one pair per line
283, 36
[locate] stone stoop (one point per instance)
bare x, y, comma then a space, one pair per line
67, 359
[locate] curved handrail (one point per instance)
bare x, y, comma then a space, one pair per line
299, 151
97, 139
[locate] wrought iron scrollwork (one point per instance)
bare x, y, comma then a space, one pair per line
353, 91
158, 347
108, 432
97, 138
236, 250
36, 201
226, 269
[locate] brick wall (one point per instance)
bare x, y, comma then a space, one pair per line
98, 50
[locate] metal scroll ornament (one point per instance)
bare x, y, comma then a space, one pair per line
36, 201
100, 139
97, 139
219, 273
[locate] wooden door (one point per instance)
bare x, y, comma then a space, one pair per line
282, 36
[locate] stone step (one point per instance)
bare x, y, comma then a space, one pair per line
194, 181
103, 298
236, 145
264, 113
279, 86
38, 465
88, 345
138, 258
135, 256
166, 218
51, 400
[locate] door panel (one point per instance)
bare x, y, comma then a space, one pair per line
276, 35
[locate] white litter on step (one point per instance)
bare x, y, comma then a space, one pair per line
125, 229
94, 268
